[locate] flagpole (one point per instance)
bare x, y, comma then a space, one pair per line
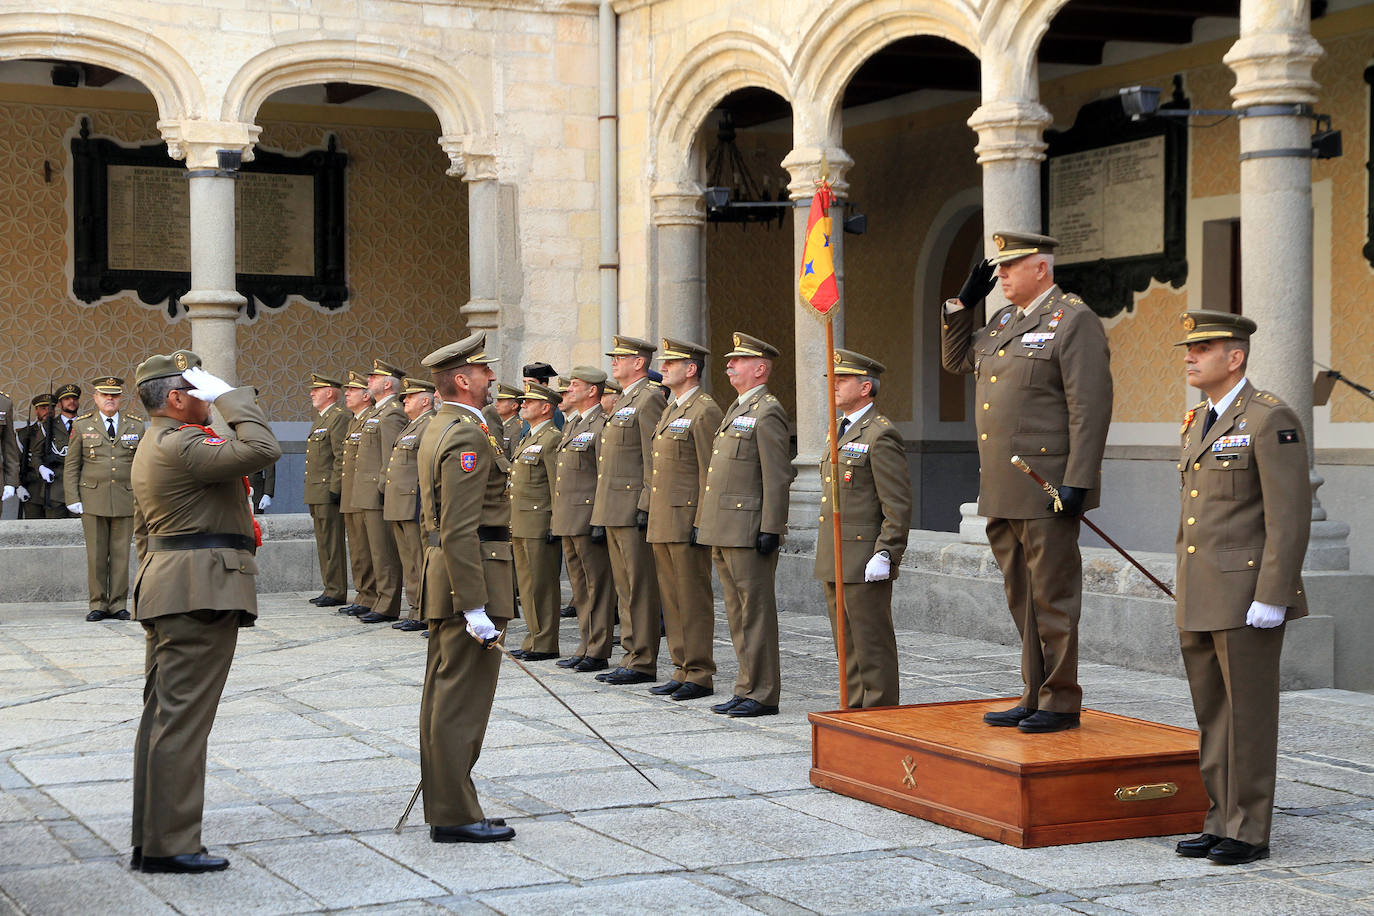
833, 476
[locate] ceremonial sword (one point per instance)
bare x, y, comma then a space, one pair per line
1059, 507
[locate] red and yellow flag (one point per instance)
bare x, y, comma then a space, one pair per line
816, 283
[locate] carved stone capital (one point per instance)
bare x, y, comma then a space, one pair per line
806, 163
678, 204
481, 314
198, 141
1274, 68
1010, 129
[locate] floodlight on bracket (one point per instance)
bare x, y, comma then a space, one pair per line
1143, 102
718, 203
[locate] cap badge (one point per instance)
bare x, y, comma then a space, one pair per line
999, 242
179, 360
1188, 323
837, 358
737, 340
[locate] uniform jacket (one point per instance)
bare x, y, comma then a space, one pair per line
574, 483
750, 474
532, 474
9, 444
379, 431
189, 481
401, 502
1246, 512
682, 452
30, 441
463, 484
348, 470
324, 453
1044, 392
97, 472
626, 457
53, 454
511, 434
875, 498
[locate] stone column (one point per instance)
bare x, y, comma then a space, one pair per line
477, 166
805, 164
679, 215
213, 302
1274, 90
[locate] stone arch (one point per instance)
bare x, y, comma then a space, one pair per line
706, 74
150, 60
1017, 26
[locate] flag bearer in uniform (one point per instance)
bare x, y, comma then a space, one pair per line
401, 502
536, 547
195, 588
96, 477
359, 404
875, 512
682, 452
324, 452
743, 517
469, 589
1242, 534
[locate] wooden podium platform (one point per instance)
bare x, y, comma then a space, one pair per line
1112, 778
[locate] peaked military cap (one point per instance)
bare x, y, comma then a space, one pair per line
1205, 325
621, 345
589, 374
41, 400
613, 386
744, 345
506, 392
1013, 246
537, 392
320, 380
416, 386
356, 380
470, 351
561, 384
70, 391
379, 367
110, 384
158, 365
682, 349
850, 362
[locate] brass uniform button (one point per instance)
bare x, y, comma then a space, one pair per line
1249, 562
1197, 467
993, 379
1192, 521
1192, 549
1001, 352
1192, 493
983, 436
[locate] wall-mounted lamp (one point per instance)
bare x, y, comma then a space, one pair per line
1143, 102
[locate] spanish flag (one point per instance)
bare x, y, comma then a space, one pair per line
816, 284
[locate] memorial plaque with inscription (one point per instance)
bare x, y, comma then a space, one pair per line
131, 210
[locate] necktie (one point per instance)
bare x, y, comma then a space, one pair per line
844, 424
1211, 418
109, 428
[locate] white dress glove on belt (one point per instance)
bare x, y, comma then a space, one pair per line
879, 568
1264, 616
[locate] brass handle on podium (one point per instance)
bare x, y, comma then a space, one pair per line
1147, 792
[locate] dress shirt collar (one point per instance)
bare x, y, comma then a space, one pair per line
1225, 403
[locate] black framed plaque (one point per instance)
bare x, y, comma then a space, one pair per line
131, 225
1115, 195
1369, 171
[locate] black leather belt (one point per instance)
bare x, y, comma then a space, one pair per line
484, 533
201, 541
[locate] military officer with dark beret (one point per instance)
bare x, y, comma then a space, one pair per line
195, 587
401, 504
1044, 392
537, 549
324, 452
359, 403
1242, 533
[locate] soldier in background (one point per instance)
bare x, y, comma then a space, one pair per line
505, 409
610, 395
324, 452
98, 488
536, 548
401, 502
9, 451
49, 462
565, 415
544, 374
359, 403
31, 439
263, 485
379, 431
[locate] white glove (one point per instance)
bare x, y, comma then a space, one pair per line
75, 507
264, 502
879, 568
46, 473
6, 493
208, 387
1264, 616
23, 494
480, 625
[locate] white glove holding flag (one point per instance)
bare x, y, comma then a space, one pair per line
76, 508
879, 568
1264, 616
480, 626
46, 473
265, 502
208, 387
6, 493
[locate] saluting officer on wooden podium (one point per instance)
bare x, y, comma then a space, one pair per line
1242, 534
875, 511
1044, 392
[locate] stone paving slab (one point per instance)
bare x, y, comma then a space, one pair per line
315, 753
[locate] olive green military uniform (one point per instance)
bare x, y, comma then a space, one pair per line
355, 524
1242, 534
97, 475
589, 563
747, 484
324, 454
536, 550
31, 439
401, 505
48, 499
379, 432
263, 483
625, 465
465, 517
874, 487
195, 588
1044, 392
682, 452
9, 444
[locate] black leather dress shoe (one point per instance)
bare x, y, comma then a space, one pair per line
408, 625
136, 860
315, 601
374, 617
626, 676
664, 689
189, 864
747, 709
1198, 846
517, 653
592, 664
1045, 721
1236, 852
120, 615
486, 830
690, 692
570, 662
568, 611
727, 705
358, 610
326, 601
93, 616
610, 674
539, 656
1008, 716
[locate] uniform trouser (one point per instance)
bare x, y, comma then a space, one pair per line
1234, 677
107, 560
689, 610
1042, 573
386, 564
31, 509
636, 586
360, 559
412, 551
51, 512
333, 554
590, 565
747, 586
870, 646
536, 572
186, 663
